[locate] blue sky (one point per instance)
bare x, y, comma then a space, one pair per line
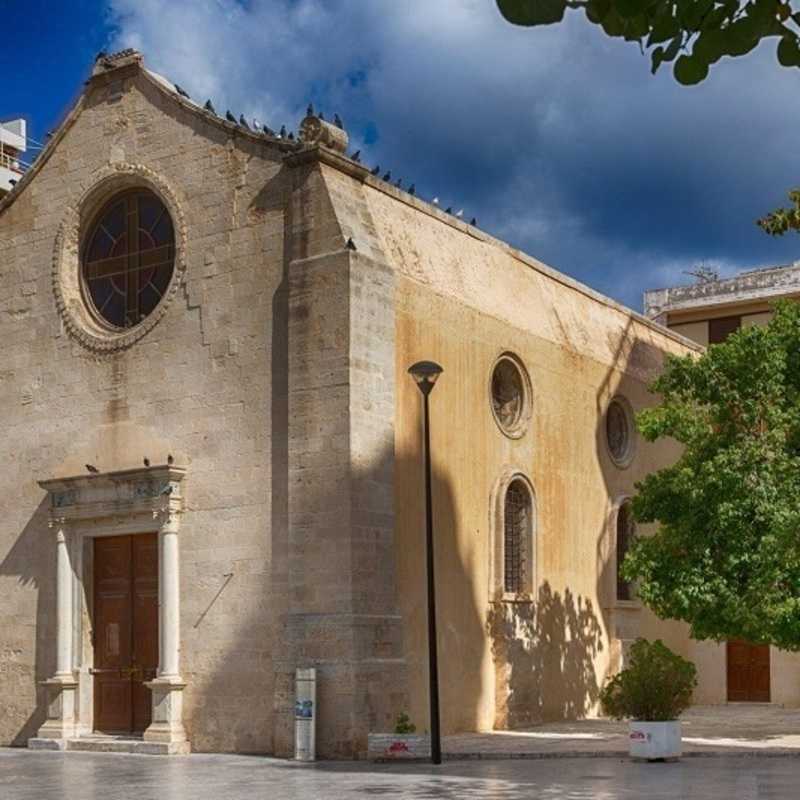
557, 139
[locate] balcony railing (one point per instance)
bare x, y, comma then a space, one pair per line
11, 162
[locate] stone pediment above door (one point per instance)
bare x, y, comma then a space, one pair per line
126, 496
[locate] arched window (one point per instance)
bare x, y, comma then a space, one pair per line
517, 538
626, 528
128, 258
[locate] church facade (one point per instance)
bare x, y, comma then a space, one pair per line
214, 462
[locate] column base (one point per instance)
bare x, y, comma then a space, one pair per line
61, 706
167, 724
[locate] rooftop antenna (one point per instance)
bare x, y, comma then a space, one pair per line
703, 274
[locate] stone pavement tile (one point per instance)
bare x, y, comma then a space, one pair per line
27, 775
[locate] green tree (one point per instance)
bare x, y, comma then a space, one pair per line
726, 554
694, 34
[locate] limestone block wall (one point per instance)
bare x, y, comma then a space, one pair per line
198, 386
463, 300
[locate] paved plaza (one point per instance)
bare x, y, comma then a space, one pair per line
27, 775
747, 728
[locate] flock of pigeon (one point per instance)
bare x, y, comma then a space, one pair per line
290, 137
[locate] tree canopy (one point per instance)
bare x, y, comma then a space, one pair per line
694, 34
726, 554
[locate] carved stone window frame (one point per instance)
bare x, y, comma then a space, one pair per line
79, 318
622, 461
519, 427
530, 581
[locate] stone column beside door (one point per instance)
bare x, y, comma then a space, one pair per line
62, 687
167, 688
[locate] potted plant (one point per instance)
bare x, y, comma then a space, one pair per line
651, 692
404, 743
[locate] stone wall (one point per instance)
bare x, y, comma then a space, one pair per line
198, 386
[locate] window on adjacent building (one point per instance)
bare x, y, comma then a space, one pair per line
626, 529
517, 537
128, 258
720, 329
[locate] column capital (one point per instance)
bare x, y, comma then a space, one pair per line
168, 519
58, 524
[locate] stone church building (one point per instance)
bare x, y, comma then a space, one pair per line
213, 448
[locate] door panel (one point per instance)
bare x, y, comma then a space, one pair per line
125, 631
112, 633
748, 672
145, 625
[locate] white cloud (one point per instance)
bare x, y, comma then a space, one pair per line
557, 138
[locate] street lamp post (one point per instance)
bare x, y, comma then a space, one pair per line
425, 373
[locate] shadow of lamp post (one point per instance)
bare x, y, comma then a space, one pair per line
425, 373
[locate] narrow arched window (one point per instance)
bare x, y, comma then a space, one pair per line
626, 528
517, 539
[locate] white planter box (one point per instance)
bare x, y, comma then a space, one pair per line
652, 740
398, 746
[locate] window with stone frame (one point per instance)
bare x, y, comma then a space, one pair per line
517, 538
128, 257
625, 533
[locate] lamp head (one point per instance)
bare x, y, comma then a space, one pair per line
425, 373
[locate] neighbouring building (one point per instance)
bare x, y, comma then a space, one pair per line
213, 445
707, 312
712, 308
13, 145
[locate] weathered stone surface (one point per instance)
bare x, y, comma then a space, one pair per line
276, 375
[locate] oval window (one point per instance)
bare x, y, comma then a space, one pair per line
620, 433
128, 258
510, 395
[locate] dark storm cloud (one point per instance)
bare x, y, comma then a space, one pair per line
557, 139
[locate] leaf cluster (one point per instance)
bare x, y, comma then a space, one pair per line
657, 686
694, 34
403, 724
726, 555
783, 220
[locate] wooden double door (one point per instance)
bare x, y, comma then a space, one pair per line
748, 672
125, 632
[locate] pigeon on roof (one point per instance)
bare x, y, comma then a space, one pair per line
398, 183
412, 190
448, 210
230, 117
243, 122
473, 222
209, 106
321, 116
350, 244
356, 156
282, 132
387, 176
460, 213
310, 110
290, 137
182, 92
337, 121
375, 171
